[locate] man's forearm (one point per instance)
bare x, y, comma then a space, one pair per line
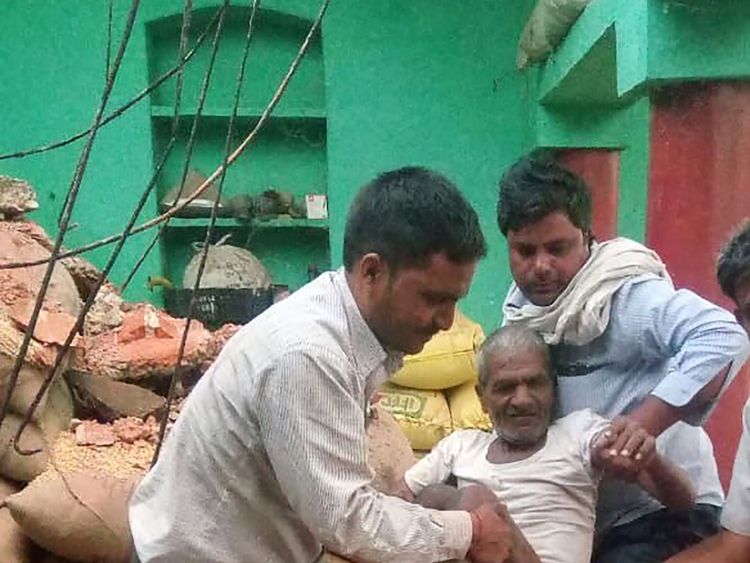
520, 550
656, 415
669, 484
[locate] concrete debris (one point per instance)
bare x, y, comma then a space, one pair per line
106, 313
18, 244
52, 327
93, 433
146, 345
100, 397
218, 340
16, 197
131, 429
128, 430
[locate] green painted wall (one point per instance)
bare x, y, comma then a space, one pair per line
402, 83
389, 83
288, 155
698, 39
421, 83
52, 78
594, 88
276, 39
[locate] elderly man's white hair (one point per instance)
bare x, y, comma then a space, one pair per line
509, 340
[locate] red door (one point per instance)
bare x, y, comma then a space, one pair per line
699, 191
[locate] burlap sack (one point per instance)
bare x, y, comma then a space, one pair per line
547, 26
59, 411
388, 450
46, 557
91, 526
12, 464
7, 488
11, 337
28, 384
15, 547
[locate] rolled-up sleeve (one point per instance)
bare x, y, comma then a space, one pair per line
313, 430
736, 514
700, 338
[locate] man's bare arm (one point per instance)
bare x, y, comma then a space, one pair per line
655, 415
669, 484
627, 451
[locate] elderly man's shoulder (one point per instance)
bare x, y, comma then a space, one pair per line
467, 439
581, 425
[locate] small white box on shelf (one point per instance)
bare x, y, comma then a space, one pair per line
316, 206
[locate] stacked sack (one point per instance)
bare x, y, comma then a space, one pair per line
52, 415
20, 241
435, 391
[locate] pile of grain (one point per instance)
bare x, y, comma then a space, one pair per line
121, 460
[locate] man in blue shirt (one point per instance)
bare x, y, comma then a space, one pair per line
624, 341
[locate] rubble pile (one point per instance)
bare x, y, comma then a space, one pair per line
19, 242
95, 429
144, 346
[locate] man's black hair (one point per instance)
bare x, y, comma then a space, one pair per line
409, 214
537, 185
733, 265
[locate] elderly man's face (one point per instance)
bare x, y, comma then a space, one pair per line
518, 395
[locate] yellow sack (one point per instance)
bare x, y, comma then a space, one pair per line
423, 416
447, 360
466, 410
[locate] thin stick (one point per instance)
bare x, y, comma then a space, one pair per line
207, 239
118, 112
214, 175
68, 210
102, 276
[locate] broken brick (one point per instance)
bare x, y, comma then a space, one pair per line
92, 433
100, 397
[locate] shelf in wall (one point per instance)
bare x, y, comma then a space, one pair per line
228, 222
166, 112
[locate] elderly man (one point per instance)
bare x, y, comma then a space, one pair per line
732, 544
267, 462
624, 342
545, 472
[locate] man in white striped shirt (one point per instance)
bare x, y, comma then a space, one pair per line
267, 462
